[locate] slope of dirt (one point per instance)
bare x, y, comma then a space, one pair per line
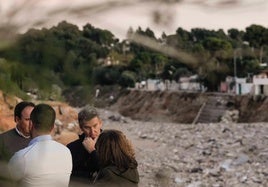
252, 108
159, 106
164, 106
181, 107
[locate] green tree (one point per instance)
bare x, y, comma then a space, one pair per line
256, 35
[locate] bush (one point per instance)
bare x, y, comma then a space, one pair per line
127, 79
106, 75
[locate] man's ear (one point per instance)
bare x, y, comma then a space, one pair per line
16, 119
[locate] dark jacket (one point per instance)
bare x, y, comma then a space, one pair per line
112, 176
84, 163
11, 142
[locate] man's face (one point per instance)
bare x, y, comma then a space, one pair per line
23, 121
92, 128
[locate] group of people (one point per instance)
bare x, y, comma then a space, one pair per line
98, 157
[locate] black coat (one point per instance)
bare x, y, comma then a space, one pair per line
84, 163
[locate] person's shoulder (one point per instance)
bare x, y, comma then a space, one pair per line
129, 176
77, 141
74, 143
109, 171
61, 147
23, 152
61, 150
10, 132
110, 168
112, 176
58, 144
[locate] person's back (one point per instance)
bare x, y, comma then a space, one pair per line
118, 166
44, 162
111, 176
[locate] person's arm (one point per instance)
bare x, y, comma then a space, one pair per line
16, 167
89, 144
77, 157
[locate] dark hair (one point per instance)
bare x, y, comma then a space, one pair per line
43, 117
20, 107
86, 114
113, 148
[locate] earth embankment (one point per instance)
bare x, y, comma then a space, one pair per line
182, 107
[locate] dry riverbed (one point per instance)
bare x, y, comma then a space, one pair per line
198, 155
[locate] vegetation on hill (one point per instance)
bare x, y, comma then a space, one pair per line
48, 62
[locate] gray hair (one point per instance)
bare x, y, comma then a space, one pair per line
86, 114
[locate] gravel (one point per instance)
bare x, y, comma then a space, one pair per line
200, 155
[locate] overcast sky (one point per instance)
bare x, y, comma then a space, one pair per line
119, 17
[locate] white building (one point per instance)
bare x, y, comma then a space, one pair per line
190, 84
242, 86
260, 83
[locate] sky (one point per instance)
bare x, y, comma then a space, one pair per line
118, 16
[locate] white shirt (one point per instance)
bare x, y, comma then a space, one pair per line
44, 162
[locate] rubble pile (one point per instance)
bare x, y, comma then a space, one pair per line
230, 116
169, 154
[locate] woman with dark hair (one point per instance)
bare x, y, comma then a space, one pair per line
118, 166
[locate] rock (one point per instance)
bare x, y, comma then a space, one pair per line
178, 180
226, 165
241, 159
196, 184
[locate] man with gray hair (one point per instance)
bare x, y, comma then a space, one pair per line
85, 161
